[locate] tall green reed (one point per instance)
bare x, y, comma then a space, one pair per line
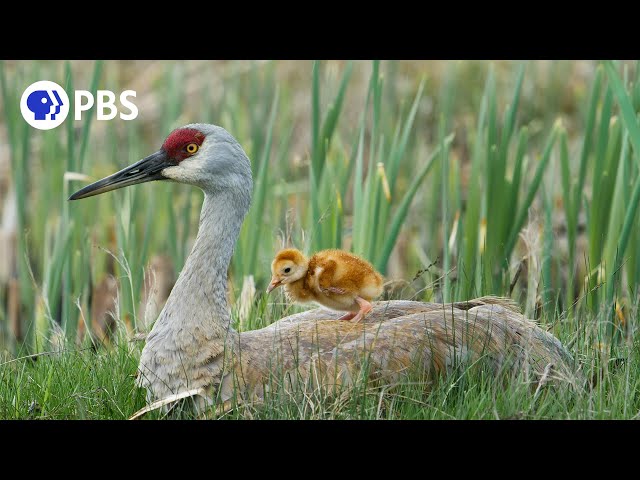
361, 185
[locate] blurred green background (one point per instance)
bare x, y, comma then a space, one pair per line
455, 178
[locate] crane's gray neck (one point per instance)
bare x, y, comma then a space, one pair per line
186, 347
198, 302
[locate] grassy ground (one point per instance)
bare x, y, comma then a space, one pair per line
456, 179
83, 384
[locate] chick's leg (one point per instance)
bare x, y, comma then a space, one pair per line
365, 307
347, 316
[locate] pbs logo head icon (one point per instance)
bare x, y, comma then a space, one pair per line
44, 105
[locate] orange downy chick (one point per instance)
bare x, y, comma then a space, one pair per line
335, 279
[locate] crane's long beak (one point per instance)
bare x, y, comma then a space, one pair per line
145, 170
275, 283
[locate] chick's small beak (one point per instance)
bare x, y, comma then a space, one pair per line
275, 283
146, 170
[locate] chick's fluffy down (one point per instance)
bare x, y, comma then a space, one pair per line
338, 277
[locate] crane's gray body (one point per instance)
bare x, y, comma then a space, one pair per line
192, 344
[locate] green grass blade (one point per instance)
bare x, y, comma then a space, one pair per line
547, 249
510, 122
403, 208
86, 126
470, 258
626, 109
516, 179
258, 208
331, 119
567, 200
631, 124
587, 141
444, 163
315, 119
399, 152
533, 188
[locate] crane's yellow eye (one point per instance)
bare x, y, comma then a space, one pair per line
192, 148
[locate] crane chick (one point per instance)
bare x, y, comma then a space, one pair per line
334, 279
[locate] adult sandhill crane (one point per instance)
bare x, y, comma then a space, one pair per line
193, 348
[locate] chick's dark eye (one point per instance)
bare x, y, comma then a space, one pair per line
287, 270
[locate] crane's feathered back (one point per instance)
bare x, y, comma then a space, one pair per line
396, 338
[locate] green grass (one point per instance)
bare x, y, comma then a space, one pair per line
100, 385
456, 179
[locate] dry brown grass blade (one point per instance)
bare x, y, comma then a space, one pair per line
35, 355
543, 380
166, 401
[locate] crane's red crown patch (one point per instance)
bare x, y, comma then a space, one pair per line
177, 140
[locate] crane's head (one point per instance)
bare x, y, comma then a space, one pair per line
199, 154
288, 266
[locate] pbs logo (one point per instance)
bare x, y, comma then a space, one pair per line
45, 105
